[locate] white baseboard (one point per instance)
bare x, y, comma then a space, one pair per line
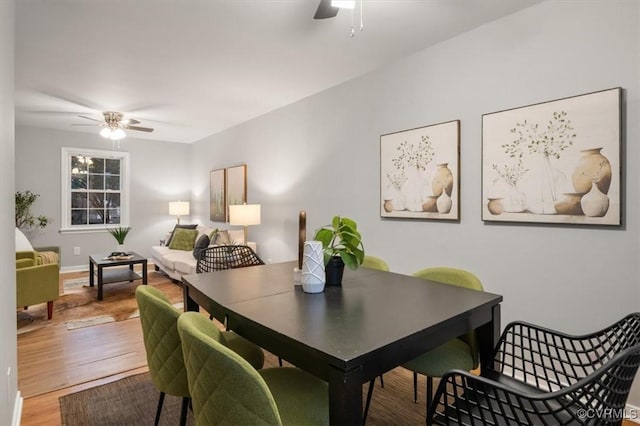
632, 409
17, 410
76, 268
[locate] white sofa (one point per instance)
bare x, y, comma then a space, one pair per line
176, 263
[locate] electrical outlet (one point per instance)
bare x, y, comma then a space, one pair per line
76, 251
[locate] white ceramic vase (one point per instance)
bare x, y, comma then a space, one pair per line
313, 276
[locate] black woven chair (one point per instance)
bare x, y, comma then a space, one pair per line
219, 258
544, 377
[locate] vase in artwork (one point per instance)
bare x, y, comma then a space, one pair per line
544, 185
570, 203
430, 204
592, 167
494, 205
595, 203
313, 275
444, 203
514, 200
443, 180
413, 190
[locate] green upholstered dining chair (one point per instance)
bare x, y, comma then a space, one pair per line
373, 262
164, 350
460, 353
225, 389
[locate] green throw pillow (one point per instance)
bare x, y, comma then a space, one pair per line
183, 239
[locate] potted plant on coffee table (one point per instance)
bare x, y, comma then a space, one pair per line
120, 233
342, 245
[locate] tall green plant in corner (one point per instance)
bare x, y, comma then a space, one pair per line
24, 218
341, 239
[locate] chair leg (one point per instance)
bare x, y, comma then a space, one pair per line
368, 403
183, 411
381, 382
159, 409
415, 387
280, 361
429, 394
49, 309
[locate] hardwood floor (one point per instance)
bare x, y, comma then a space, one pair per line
53, 362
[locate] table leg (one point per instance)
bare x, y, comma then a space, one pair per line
99, 282
188, 302
345, 397
488, 335
131, 269
144, 272
91, 271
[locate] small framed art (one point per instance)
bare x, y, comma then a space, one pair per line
420, 173
236, 185
217, 195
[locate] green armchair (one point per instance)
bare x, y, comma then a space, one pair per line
36, 282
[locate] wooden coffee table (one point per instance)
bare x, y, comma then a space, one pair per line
115, 274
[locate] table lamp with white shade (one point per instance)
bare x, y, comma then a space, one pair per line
179, 208
244, 215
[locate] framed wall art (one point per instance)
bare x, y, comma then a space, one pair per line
420, 173
217, 195
236, 185
554, 162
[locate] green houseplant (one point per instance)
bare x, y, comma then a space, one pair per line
119, 233
24, 218
341, 245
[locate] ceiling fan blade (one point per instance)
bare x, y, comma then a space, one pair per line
142, 129
89, 118
130, 121
325, 10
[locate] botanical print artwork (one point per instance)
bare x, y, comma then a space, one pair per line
419, 172
555, 162
236, 185
217, 200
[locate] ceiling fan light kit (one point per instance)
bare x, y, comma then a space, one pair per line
113, 134
114, 124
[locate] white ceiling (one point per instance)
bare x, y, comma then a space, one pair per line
192, 68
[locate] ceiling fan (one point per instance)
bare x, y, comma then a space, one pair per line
114, 124
326, 10
330, 8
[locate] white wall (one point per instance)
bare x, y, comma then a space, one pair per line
322, 155
9, 402
159, 174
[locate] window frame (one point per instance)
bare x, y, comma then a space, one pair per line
67, 153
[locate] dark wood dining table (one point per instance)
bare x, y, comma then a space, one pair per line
347, 334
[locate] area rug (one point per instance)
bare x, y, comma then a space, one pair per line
133, 401
78, 306
129, 401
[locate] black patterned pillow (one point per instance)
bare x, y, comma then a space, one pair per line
201, 244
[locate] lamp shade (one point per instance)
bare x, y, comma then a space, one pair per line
244, 214
179, 208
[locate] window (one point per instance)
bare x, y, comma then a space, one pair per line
95, 189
